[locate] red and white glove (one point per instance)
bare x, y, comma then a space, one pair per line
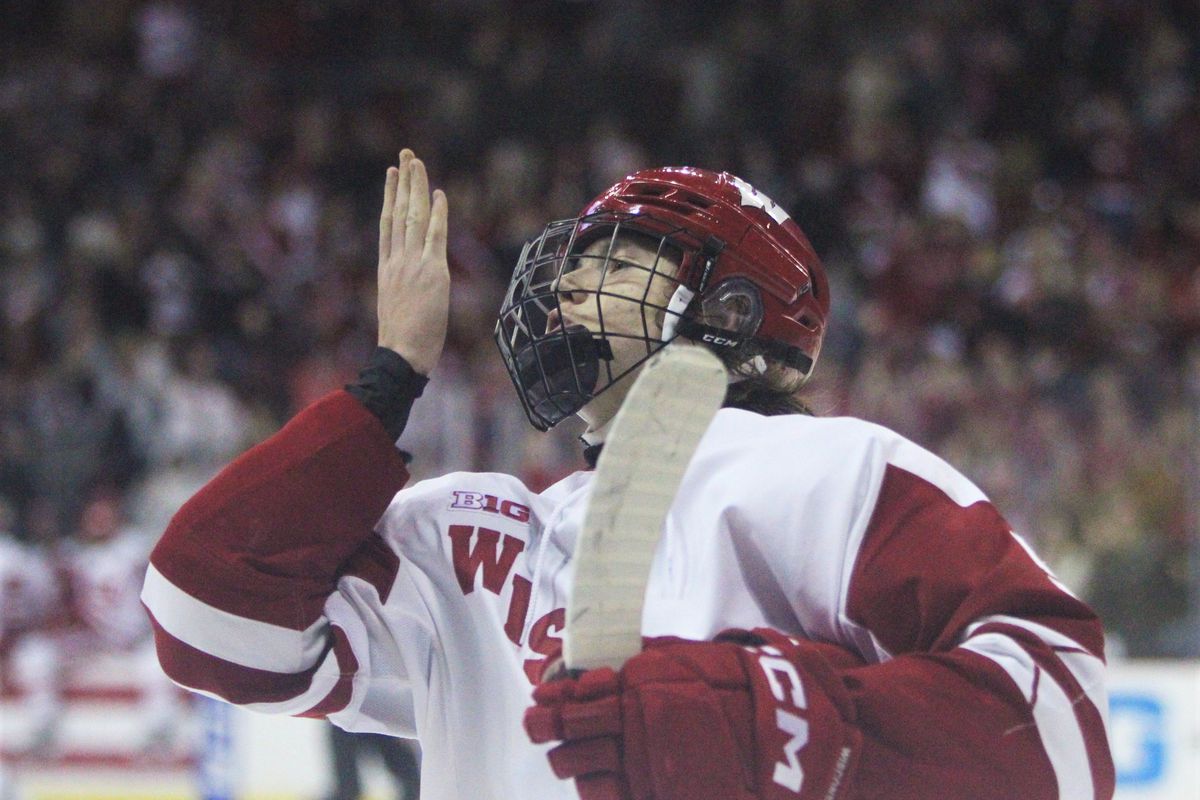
750, 715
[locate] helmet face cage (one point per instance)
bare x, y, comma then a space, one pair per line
557, 371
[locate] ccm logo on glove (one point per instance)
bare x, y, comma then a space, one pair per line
788, 773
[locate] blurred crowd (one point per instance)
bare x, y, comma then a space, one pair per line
1006, 195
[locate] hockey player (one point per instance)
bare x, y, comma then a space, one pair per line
99, 570
27, 584
833, 612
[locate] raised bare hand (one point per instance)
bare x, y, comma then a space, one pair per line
414, 280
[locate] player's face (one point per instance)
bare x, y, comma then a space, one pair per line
626, 292
100, 520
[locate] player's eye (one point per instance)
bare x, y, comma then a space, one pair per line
576, 263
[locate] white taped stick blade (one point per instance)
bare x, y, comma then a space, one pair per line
652, 441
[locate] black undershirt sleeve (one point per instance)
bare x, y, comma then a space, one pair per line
387, 386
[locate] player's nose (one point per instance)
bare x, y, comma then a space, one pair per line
569, 288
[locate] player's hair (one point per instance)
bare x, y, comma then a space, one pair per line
771, 392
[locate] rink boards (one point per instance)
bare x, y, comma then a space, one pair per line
1154, 722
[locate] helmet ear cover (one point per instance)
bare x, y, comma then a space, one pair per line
734, 305
727, 318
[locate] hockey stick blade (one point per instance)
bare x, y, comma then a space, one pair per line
653, 438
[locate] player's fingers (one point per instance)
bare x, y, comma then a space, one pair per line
596, 683
435, 238
554, 692
417, 222
594, 718
601, 786
400, 206
542, 724
385, 216
585, 756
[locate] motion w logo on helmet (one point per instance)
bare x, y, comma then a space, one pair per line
753, 197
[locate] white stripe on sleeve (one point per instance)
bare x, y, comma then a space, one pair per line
324, 680
246, 642
1087, 669
1052, 709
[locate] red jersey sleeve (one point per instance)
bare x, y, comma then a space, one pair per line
238, 583
995, 687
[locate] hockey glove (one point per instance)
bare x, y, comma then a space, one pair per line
750, 715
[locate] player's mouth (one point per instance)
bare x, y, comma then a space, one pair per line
553, 321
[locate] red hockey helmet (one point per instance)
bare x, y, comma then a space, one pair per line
727, 229
748, 283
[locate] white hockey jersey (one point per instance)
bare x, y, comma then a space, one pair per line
102, 584
281, 586
28, 589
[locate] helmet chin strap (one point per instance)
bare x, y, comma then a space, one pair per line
597, 436
679, 302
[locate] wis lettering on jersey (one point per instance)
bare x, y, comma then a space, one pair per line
478, 501
479, 552
788, 772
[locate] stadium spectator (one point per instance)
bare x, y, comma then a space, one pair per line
96, 609
1006, 195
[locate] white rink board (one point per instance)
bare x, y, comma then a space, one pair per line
1154, 723
281, 758
271, 758
1154, 719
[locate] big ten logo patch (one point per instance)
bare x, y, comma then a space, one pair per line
478, 501
487, 557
